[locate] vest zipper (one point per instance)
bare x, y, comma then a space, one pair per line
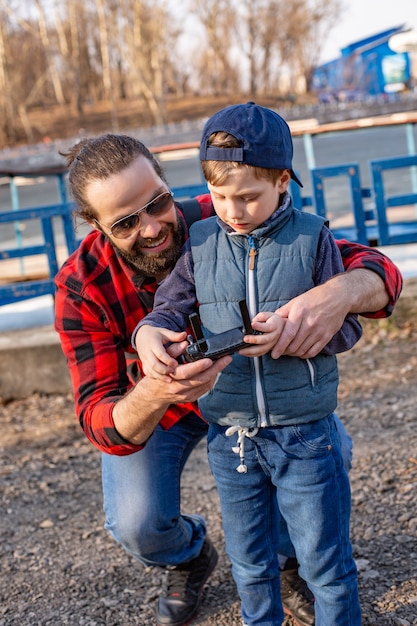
252, 306
312, 372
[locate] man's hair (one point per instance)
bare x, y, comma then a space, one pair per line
216, 172
99, 158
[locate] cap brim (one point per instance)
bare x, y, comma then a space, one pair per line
295, 178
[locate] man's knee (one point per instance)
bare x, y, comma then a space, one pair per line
137, 532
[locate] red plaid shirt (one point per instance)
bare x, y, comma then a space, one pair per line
97, 307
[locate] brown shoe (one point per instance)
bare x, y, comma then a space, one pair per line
297, 599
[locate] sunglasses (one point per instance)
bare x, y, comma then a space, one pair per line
126, 226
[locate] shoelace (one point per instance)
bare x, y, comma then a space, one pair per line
176, 583
242, 432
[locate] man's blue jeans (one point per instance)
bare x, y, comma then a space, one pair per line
142, 499
296, 472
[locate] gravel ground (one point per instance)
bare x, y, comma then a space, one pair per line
58, 565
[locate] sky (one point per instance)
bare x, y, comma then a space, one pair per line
363, 18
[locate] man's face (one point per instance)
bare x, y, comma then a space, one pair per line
154, 246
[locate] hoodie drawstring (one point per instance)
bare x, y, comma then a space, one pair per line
242, 432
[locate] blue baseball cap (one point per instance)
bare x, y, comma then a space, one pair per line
264, 135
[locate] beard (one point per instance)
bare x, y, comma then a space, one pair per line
153, 265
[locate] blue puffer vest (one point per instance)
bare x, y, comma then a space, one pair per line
267, 268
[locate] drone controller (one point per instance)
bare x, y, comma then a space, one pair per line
219, 345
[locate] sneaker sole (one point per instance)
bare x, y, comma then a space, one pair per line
200, 597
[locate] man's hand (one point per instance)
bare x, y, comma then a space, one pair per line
315, 316
311, 320
192, 380
137, 413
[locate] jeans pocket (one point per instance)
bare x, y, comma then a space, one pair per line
315, 437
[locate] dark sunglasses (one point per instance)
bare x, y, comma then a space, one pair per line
126, 226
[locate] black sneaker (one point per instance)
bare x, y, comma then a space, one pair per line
297, 599
184, 588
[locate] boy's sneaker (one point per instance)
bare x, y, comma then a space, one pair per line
182, 597
297, 599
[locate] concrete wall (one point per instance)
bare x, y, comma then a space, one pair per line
31, 360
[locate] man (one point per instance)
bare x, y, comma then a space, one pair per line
146, 428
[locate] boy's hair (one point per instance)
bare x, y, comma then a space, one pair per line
263, 138
99, 158
216, 172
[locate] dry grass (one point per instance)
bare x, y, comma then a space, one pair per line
57, 122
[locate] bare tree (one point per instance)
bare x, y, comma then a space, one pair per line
302, 40
23, 69
66, 26
6, 106
253, 11
105, 60
89, 50
49, 53
84, 35
326, 14
270, 59
280, 37
147, 37
218, 18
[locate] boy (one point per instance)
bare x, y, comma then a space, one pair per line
262, 250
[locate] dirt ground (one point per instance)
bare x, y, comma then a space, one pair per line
58, 565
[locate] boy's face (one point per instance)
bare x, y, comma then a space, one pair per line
244, 202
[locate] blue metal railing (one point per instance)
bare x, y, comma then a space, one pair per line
373, 227
392, 230
358, 231
29, 287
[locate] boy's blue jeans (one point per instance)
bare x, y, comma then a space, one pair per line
142, 496
296, 472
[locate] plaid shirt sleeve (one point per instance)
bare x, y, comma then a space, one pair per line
357, 256
95, 313
206, 205
97, 367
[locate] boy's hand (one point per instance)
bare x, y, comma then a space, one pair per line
271, 327
158, 360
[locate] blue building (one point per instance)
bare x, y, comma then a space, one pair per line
368, 67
